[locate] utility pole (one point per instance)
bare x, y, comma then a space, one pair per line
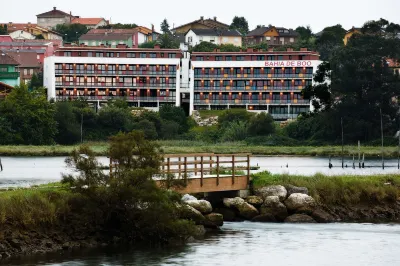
341, 122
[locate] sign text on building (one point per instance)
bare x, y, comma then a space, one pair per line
288, 64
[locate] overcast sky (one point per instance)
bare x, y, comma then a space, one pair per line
288, 13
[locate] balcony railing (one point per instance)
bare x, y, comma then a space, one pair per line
115, 85
248, 88
115, 73
262, 102
255, 76
9, 75
106, 98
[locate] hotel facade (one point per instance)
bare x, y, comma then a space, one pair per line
259, 81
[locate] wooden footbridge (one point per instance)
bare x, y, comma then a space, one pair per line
206, 172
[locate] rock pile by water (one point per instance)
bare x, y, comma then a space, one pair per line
273, 204
206, 122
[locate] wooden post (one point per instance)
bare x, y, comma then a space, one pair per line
195, 166
217, 170
201, 174
179, 161
233, 169
185, 166
211, 165
248, 169
168, 166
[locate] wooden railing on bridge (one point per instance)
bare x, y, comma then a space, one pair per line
208, 172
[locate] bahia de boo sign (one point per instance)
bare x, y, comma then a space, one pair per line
288, 63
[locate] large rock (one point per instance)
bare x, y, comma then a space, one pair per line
264, 218
213, 220
274, 207
233, 202
247, 211
293, 189
228, 214
255, 201
264, 192
190, 213
322, 216
199, 232
299, 218
299, 201
187, 197
202, 206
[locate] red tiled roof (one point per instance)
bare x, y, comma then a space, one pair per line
18, 26
117, 31
53, 13
25, 59
87, 21
5, 59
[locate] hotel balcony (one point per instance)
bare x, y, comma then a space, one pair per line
255, 76
243, 102
107, 98
115, 85
247, 88
115, 73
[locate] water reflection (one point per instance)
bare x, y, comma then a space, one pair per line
255, 244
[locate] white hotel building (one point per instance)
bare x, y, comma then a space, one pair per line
256, 80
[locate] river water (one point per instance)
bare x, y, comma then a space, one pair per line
26, 171
255, 244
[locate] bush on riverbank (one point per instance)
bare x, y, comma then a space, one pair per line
333, 190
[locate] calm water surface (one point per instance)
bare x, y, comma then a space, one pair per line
257, 244
25, 171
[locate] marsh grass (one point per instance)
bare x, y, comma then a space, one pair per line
345, 189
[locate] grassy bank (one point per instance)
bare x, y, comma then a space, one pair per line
176, 146
349, 190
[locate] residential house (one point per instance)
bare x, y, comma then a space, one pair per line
201, 24
216, 36
29, 64
90, 23
113, 37
33, 29
22, 35
273, 36
54, 17
350, 33
41, 49
8, 70
149, 34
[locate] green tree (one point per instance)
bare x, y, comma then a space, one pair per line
235, 131
240, 24
29, 116
233, 115
204, 47
261, 125
112, 120
3, 29
229, 48
39, 37
175, 114
168, 41
356, 84
148, 128
148, 45
36, 81
71, 32
68, 127
305, 32
330, 41
165, 26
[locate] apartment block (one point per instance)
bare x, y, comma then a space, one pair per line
144, 77
255, 80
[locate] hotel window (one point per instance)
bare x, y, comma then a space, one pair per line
79, 53
227, 71
199, 58
290, 57
153, 55
260, 57
257, 71
217, 71
197, 71
237, 71
142, 55
89, 54
207, 83
109, 54
298, 83
207, 71
117, 54
301, 57
298, 70
309, 70
308, 82
130, 55
172, 81
162, 80
67, 54
218, 58
240, 58
152, 68
171, 55
90, 68
162, 55
99, 54
226, 83
247, 71
280, 57
228, 58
